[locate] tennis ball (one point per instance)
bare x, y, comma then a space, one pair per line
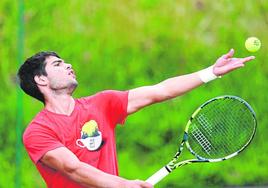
253, 44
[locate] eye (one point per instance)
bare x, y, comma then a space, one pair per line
57, 64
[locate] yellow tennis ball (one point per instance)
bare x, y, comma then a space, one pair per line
253, 44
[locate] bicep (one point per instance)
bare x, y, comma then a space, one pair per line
61, 159
145, 96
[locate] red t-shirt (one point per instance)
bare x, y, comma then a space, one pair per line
49, 131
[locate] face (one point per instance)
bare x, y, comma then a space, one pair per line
60, 75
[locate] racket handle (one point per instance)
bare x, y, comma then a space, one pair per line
158, 176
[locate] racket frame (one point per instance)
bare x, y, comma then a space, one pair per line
173, 164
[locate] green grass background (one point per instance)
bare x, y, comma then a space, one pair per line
123, 44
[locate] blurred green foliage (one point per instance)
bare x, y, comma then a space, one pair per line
123, 44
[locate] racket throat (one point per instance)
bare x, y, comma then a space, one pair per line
172, 165
168, 169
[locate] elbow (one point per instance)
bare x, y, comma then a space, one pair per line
163, 93
70, 168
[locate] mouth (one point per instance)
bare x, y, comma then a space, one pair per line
72, 73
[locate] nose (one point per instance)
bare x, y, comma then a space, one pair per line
68, 66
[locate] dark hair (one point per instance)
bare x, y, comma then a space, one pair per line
33, 66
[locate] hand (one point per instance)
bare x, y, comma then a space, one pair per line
137, 184
227, 63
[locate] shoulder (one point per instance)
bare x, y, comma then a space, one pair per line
113, 93
104, 96
39, 125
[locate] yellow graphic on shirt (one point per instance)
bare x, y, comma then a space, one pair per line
90, 129
91, 137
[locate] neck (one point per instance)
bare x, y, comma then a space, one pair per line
60, 104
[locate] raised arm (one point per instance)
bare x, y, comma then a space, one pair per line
66, 162
176, 86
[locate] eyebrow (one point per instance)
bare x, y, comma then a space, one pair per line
57, 61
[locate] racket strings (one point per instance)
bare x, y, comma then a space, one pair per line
224, 129
220, 128
202, 140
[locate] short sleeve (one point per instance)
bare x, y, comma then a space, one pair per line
115, 104
38, 140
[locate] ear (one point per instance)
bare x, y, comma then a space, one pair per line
40, 80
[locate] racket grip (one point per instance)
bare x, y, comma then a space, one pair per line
158, 176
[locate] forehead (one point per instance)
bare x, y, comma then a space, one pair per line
51, 59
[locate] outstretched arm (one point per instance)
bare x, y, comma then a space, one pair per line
176, 86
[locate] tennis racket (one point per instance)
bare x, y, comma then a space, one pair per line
218, 130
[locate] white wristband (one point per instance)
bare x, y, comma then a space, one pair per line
207, 74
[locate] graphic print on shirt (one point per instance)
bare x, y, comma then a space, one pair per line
91, 137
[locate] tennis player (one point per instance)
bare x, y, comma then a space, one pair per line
72, 141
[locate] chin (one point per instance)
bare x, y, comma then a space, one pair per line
74, 84
72, 87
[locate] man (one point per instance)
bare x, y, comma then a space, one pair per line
71, 141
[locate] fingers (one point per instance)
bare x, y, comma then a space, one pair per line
147, 185
240, 62
246, 59
144, 184
227, 63
229, 54
238, 65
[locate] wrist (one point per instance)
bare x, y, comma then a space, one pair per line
207, 75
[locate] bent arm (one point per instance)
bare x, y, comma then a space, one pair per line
65, 161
